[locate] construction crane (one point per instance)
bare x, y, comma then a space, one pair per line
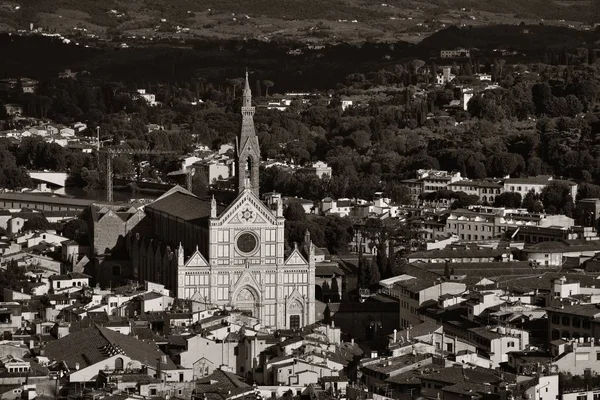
112, 152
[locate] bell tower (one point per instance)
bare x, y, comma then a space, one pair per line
247, 148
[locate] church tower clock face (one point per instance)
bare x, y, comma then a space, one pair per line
247, 243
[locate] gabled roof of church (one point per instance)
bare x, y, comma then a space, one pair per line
183, 205
222, 210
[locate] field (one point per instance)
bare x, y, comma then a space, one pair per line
308, 20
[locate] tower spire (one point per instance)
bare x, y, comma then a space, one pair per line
247, 149
247, 93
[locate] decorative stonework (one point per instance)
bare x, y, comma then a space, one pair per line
247, 215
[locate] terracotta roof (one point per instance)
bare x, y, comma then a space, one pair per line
93, 345
328, 269
485, 269
454, 375
183, 206
221, 385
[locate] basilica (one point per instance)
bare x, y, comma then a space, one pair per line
230, 256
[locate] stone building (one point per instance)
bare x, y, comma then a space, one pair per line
230, 256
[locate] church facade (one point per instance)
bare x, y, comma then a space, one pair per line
229, 257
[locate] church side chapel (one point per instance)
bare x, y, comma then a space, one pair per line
234, 256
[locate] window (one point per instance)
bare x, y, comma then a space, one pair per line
596, 396
566, 321
153, 392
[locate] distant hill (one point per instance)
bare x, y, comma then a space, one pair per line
313, 20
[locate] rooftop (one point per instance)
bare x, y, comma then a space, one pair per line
92, 345
183, 206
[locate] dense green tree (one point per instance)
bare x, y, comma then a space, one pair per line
532, 202
76, 229
36, 223
327, 315
557, 198
508, 199
294, 212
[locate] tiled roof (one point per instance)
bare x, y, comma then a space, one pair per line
328, 269
460, 253
92, 345
395, 363
561, 246
413, 377
183, 206
151, 296
454, 375
421, 329
221, 385
485, 269
543, 280
582, 310
485, 333
45, 199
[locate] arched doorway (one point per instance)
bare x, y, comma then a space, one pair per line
247, 300
295, 312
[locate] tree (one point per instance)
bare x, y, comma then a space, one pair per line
267, 84
588, 191
199, 184
364, 271
532, 202
508, 199
374, 275
390, 267
75, 229
335, 290
463, 200
36, 223
257, 90
294, 212
557, 198
504, 164
447, 270
327, 315
382, 258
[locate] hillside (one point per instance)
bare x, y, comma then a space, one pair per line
311, 20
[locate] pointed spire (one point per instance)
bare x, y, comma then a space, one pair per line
213, 207
180, 256
247, 147
247, 92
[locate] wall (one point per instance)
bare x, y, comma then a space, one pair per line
217, 354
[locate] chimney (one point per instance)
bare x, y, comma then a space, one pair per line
395, 335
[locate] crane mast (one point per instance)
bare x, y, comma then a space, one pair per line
111, 153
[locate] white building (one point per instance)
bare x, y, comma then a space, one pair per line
148, 97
